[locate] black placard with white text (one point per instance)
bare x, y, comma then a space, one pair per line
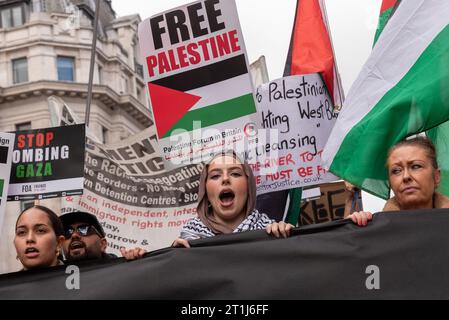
47, 163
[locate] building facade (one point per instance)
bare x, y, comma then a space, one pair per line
45, 50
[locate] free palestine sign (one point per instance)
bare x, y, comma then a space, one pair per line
198, 79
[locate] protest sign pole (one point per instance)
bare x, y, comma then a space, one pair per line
92, 61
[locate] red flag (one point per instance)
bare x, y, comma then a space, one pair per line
310, 52
311, 47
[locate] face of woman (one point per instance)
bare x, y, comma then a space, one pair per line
35, 241
227, 189
412, 177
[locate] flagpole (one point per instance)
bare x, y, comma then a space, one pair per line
92, 62
337, 76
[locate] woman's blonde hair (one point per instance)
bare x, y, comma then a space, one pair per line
420, 142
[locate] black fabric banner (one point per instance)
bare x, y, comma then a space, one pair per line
406, 253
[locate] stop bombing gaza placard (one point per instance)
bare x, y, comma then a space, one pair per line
47, 163
297, 116
198, 79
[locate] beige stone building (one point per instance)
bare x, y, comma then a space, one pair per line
45, 50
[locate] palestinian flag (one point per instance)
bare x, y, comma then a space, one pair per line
183, 98
440, 134
401, 91
311, 48
440, 138
311, 51
386, 11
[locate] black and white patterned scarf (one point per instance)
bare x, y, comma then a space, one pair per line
196, 229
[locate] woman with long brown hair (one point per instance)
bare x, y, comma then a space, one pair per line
226, 202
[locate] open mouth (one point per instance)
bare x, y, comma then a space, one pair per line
31, 252
227, 197
76, 245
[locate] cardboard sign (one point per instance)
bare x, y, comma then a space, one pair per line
47, 163
296, 114
329, 206
198, 79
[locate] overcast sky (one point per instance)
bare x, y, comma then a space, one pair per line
267, 26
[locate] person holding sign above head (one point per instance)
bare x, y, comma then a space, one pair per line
414, 176
226, 202
85, 239
38, 238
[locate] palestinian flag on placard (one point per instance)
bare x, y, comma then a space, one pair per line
401, 91
183, 98
386, 11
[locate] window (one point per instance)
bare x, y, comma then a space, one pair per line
138, 68
66, 68
124, 85
24, 205
17, 16
100, 75
23, 126
104, 132
6, 18
20, 70
12, 17
39, 6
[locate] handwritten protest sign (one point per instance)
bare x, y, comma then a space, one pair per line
329, 206
6, 148
296, 114
198, 79
47, 163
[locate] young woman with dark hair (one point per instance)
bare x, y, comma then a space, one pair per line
38, 238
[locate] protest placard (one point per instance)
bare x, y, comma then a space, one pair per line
137, 201
296, 114
47, 163
198, 79
6, 148
328, 206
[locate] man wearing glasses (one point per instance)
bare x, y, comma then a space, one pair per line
85, 239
